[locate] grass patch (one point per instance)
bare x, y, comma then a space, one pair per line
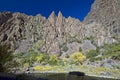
95, 59
42, 68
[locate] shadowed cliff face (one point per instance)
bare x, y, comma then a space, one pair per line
58, 34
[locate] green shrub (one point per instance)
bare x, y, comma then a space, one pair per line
64, 47
40, 58
95, 59
45, 60
53, 60
67, 56
93, 53
80, 49
29, 57
65, 61
60, 62
112, 50
60, 54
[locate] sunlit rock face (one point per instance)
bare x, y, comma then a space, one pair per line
106, 12
25, 32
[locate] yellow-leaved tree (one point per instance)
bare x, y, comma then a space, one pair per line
77, 58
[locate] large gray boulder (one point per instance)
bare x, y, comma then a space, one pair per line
87, 45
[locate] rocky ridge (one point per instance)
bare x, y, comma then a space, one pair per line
45, 35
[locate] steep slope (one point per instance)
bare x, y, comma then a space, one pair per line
106, 12
56, 34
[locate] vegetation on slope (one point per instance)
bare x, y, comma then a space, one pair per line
7, 61
107, 51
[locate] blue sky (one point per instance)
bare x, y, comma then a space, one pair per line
74, 8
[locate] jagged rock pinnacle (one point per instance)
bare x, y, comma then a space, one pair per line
59, 20
52, 18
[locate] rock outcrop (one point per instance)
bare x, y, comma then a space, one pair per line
53, 35
106, 12
52, 18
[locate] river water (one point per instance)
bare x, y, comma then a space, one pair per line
51, 76
63, 76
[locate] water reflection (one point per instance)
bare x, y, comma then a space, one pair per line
63, 76
52, 76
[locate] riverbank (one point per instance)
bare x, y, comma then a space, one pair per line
88, 70
52, 72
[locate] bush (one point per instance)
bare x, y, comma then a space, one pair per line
43, 59
95, 59
61, 63
40, 58
64, 61
32, 56
29, 57
67, 56
64, 47
53, 60
77, 58
80, 49
93, 53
